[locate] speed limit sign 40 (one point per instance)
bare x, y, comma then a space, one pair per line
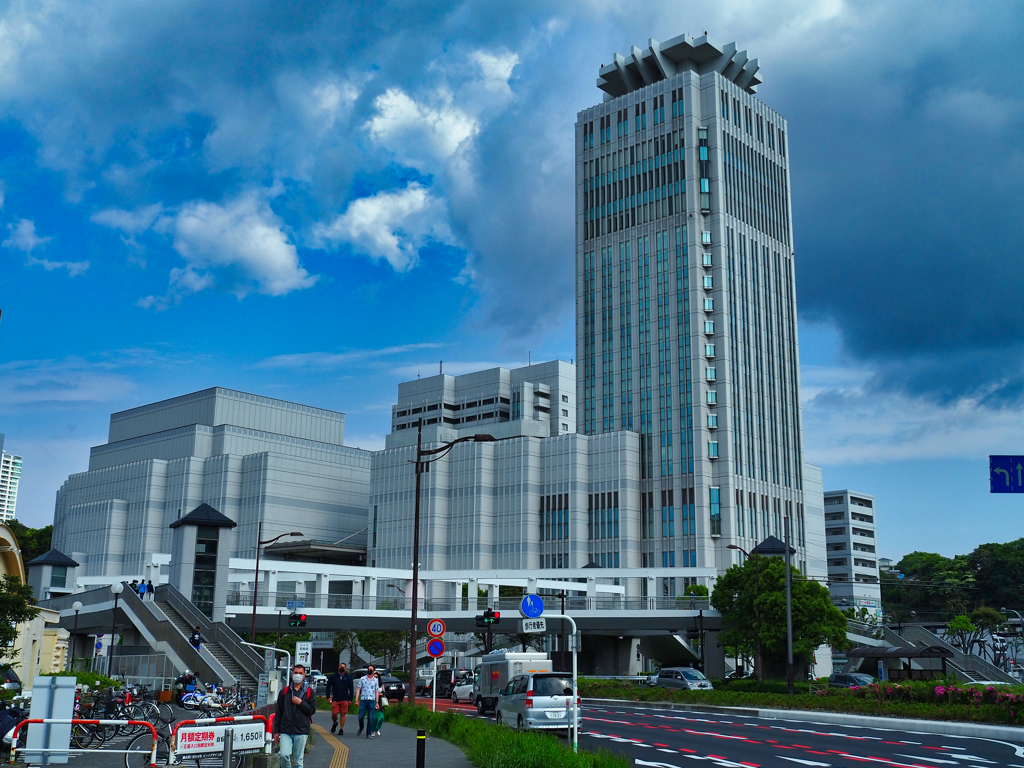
435, 628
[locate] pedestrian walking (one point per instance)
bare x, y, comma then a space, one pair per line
296, 706
340, 692
383, 703
135, 586
151, 590
369, 700
196, 638
142, 590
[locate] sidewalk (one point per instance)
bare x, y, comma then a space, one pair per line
396, 746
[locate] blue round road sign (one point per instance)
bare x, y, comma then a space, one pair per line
99, 646
435, 647
531, 607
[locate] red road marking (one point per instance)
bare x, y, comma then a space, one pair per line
661, 745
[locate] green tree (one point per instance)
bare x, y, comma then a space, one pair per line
999, 573
346, 641
962, 632
987, 620
33, 541
17, 605
696, 590
753, 594
386, 645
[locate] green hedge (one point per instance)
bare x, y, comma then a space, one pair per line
92, 679
923, 700
491, 746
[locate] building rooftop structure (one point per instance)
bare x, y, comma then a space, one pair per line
662, 60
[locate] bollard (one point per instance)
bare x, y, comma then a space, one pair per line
421, 748
229, 746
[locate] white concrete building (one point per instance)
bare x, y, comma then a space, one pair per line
851, 544
251, 458
10, 476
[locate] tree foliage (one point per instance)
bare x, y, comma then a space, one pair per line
33, 541
753, 595
17, 605
385, 645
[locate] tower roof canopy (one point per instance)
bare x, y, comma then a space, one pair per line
662, 60
204, 514
54, 557
772, 546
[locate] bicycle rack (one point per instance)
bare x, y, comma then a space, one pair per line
77, 721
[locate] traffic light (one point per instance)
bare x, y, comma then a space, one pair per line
297, 620
488, 618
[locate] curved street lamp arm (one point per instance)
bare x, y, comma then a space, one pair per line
439, 452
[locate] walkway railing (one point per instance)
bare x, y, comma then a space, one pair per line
279, 601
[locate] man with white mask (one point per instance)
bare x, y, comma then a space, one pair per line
296, 706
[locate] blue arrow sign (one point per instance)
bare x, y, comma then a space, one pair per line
1006, 474
531, 607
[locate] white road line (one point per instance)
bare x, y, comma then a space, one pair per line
929, 759
802, 762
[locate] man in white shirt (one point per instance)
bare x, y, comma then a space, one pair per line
369, 700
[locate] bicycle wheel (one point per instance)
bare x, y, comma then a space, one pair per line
140, 746
86, 736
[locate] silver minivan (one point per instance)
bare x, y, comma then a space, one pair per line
538, 701
683, 677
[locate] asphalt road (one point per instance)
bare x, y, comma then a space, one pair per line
673, 739
662, 738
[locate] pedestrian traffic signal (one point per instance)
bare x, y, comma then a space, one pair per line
297, 620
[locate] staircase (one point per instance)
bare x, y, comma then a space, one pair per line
971, 667
226, 660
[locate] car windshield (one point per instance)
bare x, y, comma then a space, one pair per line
863, 679
388, 679
552, 686
692, 674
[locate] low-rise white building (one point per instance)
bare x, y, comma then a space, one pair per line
852, 551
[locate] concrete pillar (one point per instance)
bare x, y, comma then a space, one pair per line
474, 585
591, 586
492, 594
634, 662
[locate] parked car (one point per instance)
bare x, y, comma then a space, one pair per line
683, 677
849, 680
394, 688
317, 678
464, 691
11, 681
447, 679
538, 701
423, 685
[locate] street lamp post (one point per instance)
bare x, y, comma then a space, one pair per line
789, 612
757, 609
1020, 627
256, 580
76, 607
420, 463
117, 589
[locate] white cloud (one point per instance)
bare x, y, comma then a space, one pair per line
496, 68
238, 244
846, 422
74, 268
333, 360
973, 108
419, 132
453, 368
392, 225
130, 222
31, 383
23, 236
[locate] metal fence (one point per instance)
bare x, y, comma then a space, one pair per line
155, 670
280, 601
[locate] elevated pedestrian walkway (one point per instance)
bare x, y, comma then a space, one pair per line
165, 624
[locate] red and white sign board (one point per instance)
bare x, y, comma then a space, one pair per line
248, 738
436, 628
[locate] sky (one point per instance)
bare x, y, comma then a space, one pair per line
314, 201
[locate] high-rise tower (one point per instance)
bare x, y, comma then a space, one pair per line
10, 476
685, 300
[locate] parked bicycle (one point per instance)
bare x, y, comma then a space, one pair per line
138, 751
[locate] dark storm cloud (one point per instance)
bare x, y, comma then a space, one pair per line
905, 124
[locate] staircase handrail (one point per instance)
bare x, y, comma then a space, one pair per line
968, 661
213, 631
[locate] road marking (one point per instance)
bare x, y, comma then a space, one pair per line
971, 757
340, 758
929, 759
802, 762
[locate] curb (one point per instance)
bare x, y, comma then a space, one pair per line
903, 725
